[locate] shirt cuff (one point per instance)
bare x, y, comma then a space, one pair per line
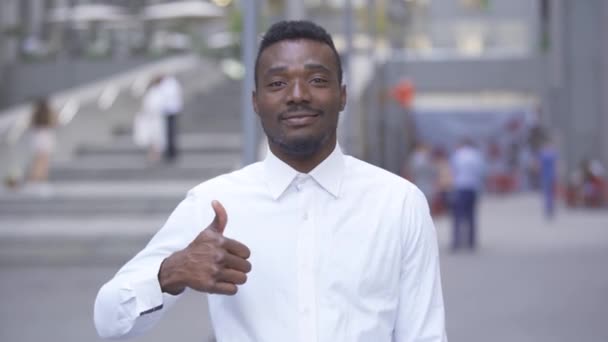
146, 293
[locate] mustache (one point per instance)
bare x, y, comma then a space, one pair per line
300, 108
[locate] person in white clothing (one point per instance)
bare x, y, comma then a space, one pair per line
43, 124
149, 125
308, 244
172, 107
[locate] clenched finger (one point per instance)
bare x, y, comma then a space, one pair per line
224, 288
232, 276
236, 263
236, 248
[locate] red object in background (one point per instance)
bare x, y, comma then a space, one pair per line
403, 93
502, 183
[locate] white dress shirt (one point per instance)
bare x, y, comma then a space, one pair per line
173, 97
468, 169
346, 253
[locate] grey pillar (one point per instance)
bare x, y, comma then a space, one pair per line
372, 26
372, 151
59, 33
346, 129
581, 96
348, 35
36, 18
9, 45
249, 46
9, 19
604, 83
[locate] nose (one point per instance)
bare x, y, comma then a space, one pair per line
298, 92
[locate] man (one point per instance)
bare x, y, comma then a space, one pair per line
307, 245
172, 107
547, 160
468, 172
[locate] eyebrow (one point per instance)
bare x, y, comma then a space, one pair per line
309, 66
316, 67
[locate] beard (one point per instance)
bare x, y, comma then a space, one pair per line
298, 147
303, 146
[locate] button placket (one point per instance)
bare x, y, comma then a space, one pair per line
306, 273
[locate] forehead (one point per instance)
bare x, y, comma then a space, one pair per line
298, 52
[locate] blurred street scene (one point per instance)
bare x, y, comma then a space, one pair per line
497, 109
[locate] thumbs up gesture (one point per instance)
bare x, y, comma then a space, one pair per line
211, 263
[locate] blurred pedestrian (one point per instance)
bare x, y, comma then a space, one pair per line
468, 170
444, 180
529, 168
547, 161
537, 134
172, 107
149, 124
308, 244
594, 183
495, 166
420, 170
42, 123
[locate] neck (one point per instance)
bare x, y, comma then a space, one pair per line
304, 163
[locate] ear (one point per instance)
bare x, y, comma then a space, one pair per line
254, 101
342, 97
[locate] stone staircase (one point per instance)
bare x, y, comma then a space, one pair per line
201, 156
108, 191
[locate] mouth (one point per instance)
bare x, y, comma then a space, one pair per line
300, 119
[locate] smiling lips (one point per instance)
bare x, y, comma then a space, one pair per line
298, 119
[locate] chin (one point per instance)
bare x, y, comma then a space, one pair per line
299, 146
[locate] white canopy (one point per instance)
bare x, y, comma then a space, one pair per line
182, 10
88, 13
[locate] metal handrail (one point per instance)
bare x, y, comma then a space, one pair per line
14, 121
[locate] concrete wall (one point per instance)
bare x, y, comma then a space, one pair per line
465, 75
579, 98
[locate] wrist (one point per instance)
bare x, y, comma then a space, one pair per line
169, 275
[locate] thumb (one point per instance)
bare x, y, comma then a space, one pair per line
219, 222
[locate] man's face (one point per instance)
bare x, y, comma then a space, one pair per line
298, 96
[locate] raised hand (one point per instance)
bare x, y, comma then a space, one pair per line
211, 263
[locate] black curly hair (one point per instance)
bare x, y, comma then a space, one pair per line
296, 29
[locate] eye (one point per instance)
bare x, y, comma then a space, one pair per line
318, 80
276, 84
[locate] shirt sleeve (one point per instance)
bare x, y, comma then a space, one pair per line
421, 314
132, 301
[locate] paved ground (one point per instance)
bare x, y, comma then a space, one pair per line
531, 281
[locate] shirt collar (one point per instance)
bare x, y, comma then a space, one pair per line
328, 174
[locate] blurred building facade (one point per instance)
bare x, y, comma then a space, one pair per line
549, 53
76, 41
549, 50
